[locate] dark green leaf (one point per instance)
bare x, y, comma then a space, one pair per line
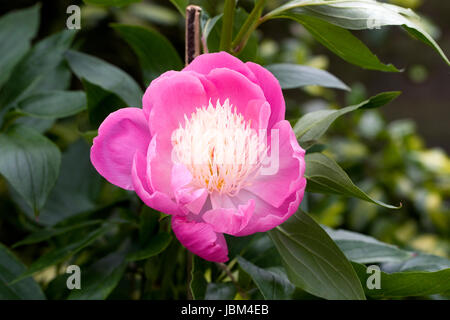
63, 253
406, 284
313, 125
364, 249
341, 42
156, 54
48, 233
220, 291
364, 14
296, 76
100, 102
156, 245
30, 162
181, 5
100, 279
324, 175
361, 14
198, 283
115, 3
76, 189
53, 104
45, 56
106, 76
272, 282
57, 79
11, 268
313, 261
16, 31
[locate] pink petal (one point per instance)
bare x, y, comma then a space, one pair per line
235, 87
225, 217
272, 91
147, 102
172, 97
205, 63
186, 194
258, 112
267, 217
274, 189
200, 238
159, 170
120, 136
154, 199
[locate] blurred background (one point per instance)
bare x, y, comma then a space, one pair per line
397, 154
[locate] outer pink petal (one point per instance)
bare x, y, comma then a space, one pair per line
154, 199
226, 217
120, 136
206, 62
147, 101
272, 92
171, 98
274, 189
201, 239
267, 217
232, 85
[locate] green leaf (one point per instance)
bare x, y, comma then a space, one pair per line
100, 279
181, 5
324, 175
16, 31
296, 76
313, 125
63, 253
312, 260
30, 162
11, 268
100, 102
57, 79
273, 284
406, 284
156, 245
364, 249
156, 54
220, 291
341, 42
48, 233
148, 224
198, 283
114, 3
364, 14
76, 188
43, 58
106, 76
360, 14
405, 273
53, 104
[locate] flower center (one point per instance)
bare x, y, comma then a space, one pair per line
219, 148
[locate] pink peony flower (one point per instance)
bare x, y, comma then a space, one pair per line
203, 150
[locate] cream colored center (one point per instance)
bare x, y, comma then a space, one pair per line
219, 148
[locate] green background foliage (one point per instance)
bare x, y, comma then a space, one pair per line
376, 194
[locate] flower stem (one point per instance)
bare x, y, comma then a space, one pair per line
248, 27
192, 33
227, 25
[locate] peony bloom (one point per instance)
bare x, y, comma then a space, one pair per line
212, 148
